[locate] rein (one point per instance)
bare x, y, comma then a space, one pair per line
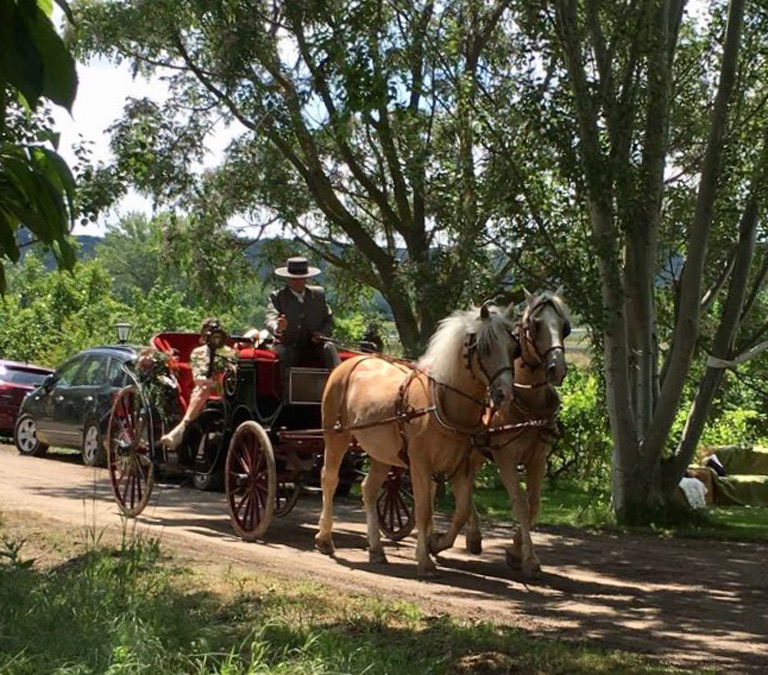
528, 344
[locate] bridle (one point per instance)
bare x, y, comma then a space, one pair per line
471, 350
527, 340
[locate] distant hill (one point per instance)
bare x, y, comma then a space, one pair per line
86, 247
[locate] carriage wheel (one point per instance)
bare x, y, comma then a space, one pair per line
131, 471
251, 480
395, 505
286, 497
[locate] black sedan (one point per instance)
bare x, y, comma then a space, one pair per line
71, 408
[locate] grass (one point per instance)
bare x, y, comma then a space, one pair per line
131, 608
572, 505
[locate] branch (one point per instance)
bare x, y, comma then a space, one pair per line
321, 85
711, 294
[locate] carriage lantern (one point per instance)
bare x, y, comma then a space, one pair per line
123, 331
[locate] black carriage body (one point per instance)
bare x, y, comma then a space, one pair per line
293, 422
261, 447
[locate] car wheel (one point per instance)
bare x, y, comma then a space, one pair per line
209, 482
93, 446
208, 478
25, 437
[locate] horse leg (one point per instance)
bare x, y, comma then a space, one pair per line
336, 445
421, 480
377, 474
462, 482
534, 478
472, 535
507, 463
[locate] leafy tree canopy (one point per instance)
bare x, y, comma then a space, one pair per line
37, 189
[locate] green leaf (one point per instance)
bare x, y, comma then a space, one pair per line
58, 172
22, 64
64, 253
59, 73
31, 203
3, 286
8, 244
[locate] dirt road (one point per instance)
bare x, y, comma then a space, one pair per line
693, 603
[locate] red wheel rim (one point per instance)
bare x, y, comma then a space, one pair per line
395, 505
130, 468
250, 482
286, 498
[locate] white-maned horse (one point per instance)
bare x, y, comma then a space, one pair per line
429, 413
539, 368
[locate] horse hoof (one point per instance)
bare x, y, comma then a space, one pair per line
474, 545
531, 569
434, 543
377, 557
513, 559
427, 572
325, 546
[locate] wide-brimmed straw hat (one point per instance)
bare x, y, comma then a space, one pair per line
297, 268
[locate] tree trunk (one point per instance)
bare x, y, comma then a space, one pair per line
725, 336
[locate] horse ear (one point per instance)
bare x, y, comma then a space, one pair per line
528, 297
484, 312
511, 311
559, 291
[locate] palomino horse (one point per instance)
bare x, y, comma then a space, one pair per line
544, 325
428, 414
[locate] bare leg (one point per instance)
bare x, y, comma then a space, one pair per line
336, 445
197, 401
371, 488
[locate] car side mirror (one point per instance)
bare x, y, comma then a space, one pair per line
49, 381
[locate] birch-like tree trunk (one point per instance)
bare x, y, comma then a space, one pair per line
641, 415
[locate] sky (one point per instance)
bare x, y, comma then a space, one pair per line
101, 92
103, 89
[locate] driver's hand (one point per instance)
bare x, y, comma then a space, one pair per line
282, 323
316, 338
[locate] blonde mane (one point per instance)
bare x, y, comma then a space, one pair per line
444, 358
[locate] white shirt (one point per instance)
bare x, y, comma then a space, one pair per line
298, 296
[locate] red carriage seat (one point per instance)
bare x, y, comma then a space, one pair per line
267, 366
179, 346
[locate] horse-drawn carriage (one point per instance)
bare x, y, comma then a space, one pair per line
432, 417
263, 443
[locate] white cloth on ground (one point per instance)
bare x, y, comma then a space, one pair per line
695, 492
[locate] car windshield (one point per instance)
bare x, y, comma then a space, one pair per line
20, 376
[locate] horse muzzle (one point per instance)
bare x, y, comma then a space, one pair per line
556, 366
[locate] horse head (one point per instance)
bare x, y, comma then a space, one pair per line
542, 331
489, 351
474, 348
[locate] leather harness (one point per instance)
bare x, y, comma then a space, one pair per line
481, 434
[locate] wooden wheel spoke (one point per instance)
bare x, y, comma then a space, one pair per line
251, 481
131, 470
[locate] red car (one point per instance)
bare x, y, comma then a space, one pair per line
16, 381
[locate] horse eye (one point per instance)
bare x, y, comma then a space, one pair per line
566, 329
